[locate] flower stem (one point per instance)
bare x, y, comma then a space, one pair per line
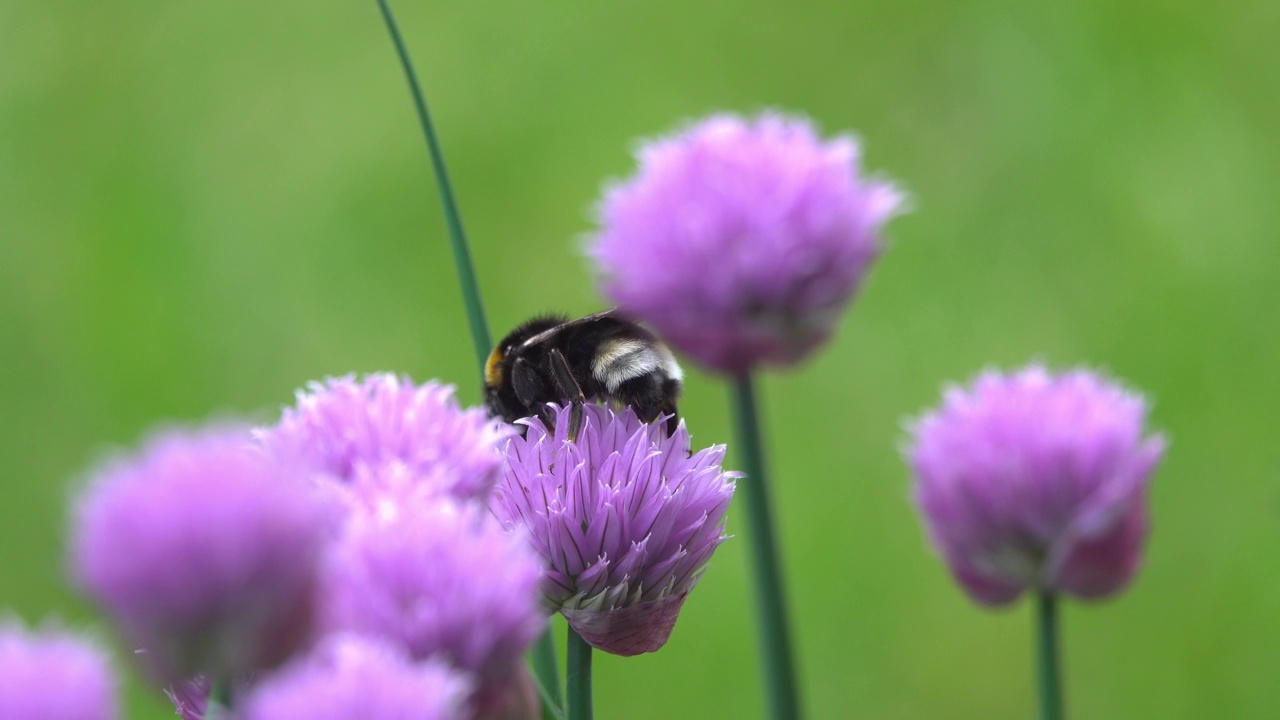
578, 677
546, 669
220, 700
1047, 651
778, 667
461, 253
544, 653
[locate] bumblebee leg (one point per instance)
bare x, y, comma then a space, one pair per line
673, 422
671, 391
531, 388
568, 388
651, 398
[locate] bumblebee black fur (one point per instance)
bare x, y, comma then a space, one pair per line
601, 357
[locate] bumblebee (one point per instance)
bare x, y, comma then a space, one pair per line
598, 357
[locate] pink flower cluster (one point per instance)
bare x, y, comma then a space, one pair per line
341, 563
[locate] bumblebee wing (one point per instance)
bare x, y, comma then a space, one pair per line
552, 332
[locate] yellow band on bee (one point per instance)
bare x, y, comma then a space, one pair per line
493, 368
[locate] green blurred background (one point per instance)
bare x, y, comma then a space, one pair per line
204, 205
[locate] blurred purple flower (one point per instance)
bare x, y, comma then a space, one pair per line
1036, 480
742, 240
625, 520
51, 675
350, 428
204, 551
515, 699
349, 676
438, 579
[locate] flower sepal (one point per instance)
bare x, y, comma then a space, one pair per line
630, 629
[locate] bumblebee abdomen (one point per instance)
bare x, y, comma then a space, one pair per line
623, 359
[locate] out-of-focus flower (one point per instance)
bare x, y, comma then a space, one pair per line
438, 579
50, 675
1036, 480
190, 697
350, 677
350, 428
742, 240
515, 699
625, 519
205, 552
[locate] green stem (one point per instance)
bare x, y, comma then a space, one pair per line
578, 677
1047, 652
775, 635
461, 253
546, 669
544, 653
220, 700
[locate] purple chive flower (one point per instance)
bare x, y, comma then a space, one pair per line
625, 520
350, 428
742, 240
50, 675
358, 677
438, 579
1036, 480
205, 552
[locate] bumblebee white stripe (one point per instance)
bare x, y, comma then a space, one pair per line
622, 360
669, 364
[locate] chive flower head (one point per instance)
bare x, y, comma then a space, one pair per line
625, 520
1036, 480
52, 675
741, 240
350, 676
438, 578
204, 550
351, 429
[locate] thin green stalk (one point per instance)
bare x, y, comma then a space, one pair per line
578, 677
775, 634
544, 652
547, 672
220, 700
1047, 656
461, 253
